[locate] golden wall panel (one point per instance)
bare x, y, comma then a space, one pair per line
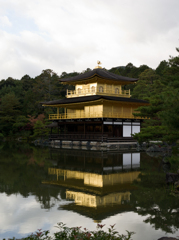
96, 180
93, 179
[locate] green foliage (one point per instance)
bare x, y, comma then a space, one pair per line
162, 93
76, 233
148, 84
20, 122
9, 110
40, 130
162, 67
170, 113
1, 136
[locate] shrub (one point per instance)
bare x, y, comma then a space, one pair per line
76, 233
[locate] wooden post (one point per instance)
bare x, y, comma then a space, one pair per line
65, 113
65, 128
113, 130
84, 159
57, 112
102, 165
102, 131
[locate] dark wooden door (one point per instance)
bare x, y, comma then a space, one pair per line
117, 131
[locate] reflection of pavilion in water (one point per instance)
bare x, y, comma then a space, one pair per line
101, 186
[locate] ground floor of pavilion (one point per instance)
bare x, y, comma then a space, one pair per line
94, 129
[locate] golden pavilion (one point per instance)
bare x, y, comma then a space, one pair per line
98, 109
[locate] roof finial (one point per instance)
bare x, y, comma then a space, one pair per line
99, 63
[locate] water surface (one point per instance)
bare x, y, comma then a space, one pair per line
40, 187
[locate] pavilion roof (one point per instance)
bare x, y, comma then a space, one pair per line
100, 73
92, 98
99, 213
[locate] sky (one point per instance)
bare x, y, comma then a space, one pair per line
71, 35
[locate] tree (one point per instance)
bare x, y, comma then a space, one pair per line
9, 110
162, 67
146, 85
40, 130
163, 110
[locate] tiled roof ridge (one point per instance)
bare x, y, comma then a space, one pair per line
99, 72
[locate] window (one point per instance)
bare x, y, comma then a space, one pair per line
126, 131
100, 89
92, 89
79, 90
135, 129
117, 91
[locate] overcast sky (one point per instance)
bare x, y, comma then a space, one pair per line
71, 35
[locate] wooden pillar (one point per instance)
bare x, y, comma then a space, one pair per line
65, 113
84, 157
102, 165
57, 111
84, 129
122, 160
102, 129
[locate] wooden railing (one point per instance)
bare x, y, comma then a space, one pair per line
96, 91
81, 115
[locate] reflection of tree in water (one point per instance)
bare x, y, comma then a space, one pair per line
161, 208
19, 176
153, 201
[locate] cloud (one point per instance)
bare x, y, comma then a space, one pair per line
73, 35
4, 21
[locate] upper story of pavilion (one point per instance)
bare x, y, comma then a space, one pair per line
98, 82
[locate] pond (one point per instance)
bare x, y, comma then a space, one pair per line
40, 187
